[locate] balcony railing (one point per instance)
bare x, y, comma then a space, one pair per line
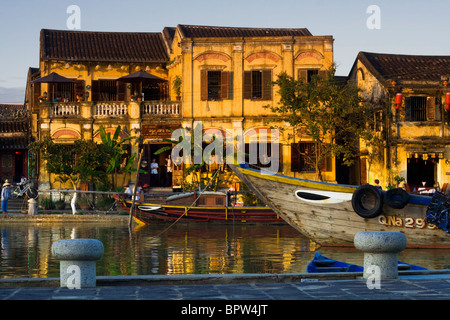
161, 108
112, 109
65, 109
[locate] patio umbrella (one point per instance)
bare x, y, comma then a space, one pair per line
53, 78
140, 77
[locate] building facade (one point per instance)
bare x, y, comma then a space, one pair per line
217, 76
411, 116
14, 139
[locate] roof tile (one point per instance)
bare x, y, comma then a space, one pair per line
102, 46
407, 67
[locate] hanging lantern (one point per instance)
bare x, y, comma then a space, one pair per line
398, 100
447, 101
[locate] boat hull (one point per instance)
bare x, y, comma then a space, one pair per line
331, 220
148, 213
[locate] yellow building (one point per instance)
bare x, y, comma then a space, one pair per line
223, 75
226, 74
407, 94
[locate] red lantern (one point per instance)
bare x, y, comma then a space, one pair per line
398, 100
447, 101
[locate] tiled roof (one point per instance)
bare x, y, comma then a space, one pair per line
190, 31
102, 46
13, 119
406, 67
14, 143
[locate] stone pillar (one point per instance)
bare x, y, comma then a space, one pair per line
32, 207
380, 249
77, 261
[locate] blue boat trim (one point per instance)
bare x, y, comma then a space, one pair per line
321, 264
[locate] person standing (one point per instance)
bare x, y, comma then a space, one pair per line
6, 194
169, 171
153, 173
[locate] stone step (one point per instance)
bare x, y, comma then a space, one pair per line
17, 205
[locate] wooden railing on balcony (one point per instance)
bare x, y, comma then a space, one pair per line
161, 108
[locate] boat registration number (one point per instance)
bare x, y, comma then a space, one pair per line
393, 221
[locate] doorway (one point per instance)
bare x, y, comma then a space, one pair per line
420, 171
161, 178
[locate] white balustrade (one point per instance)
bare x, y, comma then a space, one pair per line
112, 109
65, 109
161, 108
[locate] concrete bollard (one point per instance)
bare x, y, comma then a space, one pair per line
380, 249
77, 261
32, 207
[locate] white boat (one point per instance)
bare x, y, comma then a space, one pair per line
331, 214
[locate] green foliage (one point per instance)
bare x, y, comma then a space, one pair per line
328, 112
177, 85
85, 160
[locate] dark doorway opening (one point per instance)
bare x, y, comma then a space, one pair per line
161, 179
18, 165
420, 171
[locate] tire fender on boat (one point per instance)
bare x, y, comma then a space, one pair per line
375, 209
396, 198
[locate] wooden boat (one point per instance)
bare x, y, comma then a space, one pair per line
331, 214
321, 264
204, 207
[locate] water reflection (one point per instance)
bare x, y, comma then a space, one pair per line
181, 249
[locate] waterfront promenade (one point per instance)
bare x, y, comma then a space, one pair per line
411, 285
430, 286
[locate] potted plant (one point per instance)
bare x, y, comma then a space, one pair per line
47, 204
105, 203
84, 204
60, 204
177, 86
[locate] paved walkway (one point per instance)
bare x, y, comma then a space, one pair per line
432, 287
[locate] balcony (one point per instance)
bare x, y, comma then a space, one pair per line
161, 108
65, 109
110, 109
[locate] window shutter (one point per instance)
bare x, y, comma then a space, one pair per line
431, 109
323, 74
247, 85
224, 85
303, 75
266, 85
36, 94
295, 157
121, 89
95, 90
230, 85
204, 84
408, 109
79, 88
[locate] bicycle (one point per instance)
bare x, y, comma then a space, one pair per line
17, 191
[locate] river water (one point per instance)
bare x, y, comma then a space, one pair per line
180, 249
